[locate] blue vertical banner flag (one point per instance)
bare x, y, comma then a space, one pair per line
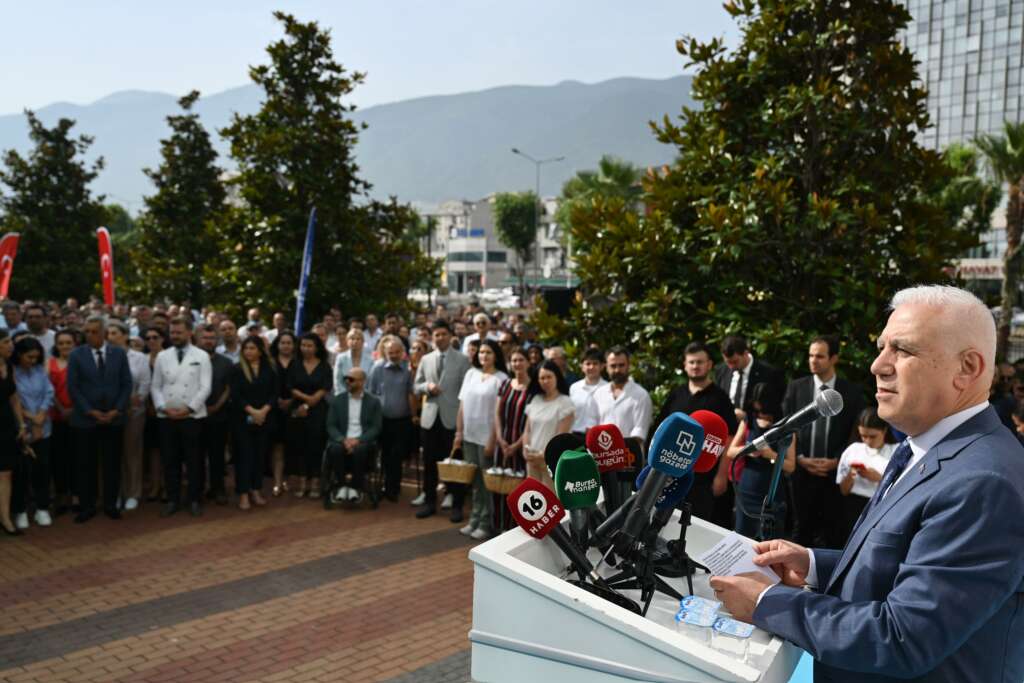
307, 265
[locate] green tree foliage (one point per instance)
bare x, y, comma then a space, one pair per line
796, 206
49, 202
119, 221
297, 152
966, 197
612, 178
175, 242
1005, 157
515, 220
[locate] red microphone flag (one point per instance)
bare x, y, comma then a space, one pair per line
716, 435
535, 508
606, 444
8, 250
106, 265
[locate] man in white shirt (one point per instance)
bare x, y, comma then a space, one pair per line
622, 402
482, 327
372, 333
182, 379
230, 345
354, 422
35, 321
582, 391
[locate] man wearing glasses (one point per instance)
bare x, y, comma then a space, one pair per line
482, 327
354, 421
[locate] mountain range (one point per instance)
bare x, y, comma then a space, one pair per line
424, 150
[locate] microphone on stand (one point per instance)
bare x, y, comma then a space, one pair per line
828, 403
577, 484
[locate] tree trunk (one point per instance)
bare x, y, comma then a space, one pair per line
1011, 270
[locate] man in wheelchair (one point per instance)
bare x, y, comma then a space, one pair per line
354, 423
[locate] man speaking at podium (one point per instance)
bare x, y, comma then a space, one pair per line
930, 585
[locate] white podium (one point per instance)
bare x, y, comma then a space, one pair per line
530, 625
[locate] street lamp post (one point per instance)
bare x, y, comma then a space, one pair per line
536, 210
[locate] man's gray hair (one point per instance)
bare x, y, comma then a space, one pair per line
93, 319
971, 315
118, 325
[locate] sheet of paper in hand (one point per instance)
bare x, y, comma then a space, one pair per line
733, 555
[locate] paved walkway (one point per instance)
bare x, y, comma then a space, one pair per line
289, 592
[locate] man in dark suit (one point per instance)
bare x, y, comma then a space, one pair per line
741, 372
100, 385
930, 586
351, 441
819, 517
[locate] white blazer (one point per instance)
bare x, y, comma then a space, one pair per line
184, 384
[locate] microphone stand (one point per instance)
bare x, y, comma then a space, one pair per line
679, 563
638, 571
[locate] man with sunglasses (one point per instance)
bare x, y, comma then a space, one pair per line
354, 422
482, 327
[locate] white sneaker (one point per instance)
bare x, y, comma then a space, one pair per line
131, 504
21, 521
446, 504
419, 500
480, 534
42, 518
341, 494
467, 530
354, 495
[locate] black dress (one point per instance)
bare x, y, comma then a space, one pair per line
8, 422
307, 435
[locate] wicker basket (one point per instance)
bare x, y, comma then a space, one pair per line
456, 471
501, 484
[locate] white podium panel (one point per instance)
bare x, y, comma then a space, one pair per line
530, 625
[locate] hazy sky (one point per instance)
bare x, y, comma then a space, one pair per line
81, 51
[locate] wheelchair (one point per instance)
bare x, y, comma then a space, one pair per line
373, 481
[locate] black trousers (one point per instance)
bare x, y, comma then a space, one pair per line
305, 439
99, 445
395, 442
179, 445
437, 445
345, 463
62, 459
820, 512
250, 447
32, 473
213, 443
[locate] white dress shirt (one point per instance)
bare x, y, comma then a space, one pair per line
587, 413
741, 376
630, 411
138, 364
355, 413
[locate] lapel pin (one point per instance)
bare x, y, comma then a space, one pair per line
920, 468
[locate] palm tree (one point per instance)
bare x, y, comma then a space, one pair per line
1005, 157
613, 178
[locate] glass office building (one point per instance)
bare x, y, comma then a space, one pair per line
970, 54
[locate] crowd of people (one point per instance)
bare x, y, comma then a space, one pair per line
146, 394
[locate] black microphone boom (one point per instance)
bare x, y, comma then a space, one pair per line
829, 403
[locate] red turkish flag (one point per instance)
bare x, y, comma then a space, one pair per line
106, 265
8, 250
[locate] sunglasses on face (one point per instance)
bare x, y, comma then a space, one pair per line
152, 337
349, 380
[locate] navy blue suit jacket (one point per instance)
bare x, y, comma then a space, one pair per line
930, 586
90, 391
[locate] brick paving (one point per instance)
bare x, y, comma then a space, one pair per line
290, 592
